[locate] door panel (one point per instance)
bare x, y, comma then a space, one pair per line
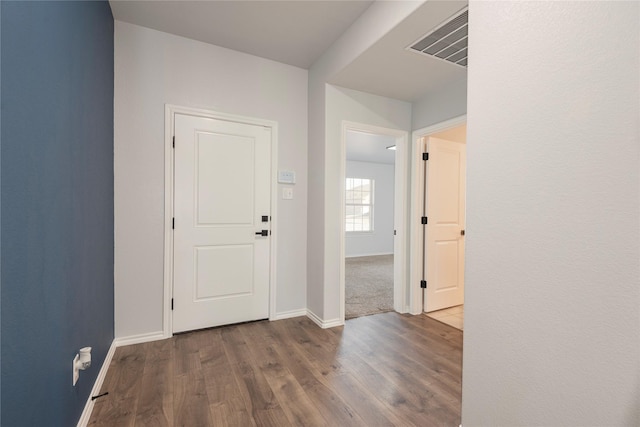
220, 159
446, 265
446, 213
223, 271
221, 191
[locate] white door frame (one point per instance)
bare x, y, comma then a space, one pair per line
170, 113
417, 190
400, 210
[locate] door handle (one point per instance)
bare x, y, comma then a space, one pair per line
263, 233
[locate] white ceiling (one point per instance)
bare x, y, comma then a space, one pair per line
298, 32
292, 32
388, 69
367, 147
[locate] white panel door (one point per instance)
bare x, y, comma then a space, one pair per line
445, 228
221, 193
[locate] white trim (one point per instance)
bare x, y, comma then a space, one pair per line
289, 314
343, 211
417, 188
374, 254
170, 112
274, 216
439, 127
95, 390
324, 324
167, 320
139, 339
360, 233
400, 211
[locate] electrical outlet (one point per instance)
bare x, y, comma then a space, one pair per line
76, 371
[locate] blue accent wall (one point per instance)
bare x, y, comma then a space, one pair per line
56, 199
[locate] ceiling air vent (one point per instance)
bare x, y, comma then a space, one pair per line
448, 41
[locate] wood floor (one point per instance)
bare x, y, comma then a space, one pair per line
381, 370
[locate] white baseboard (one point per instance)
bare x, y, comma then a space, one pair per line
139, 339
311, 315
361, 255
332, 323
289, 314
324, 324
403, 310
88, 407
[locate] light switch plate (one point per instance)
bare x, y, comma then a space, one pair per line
287, 193
286, 177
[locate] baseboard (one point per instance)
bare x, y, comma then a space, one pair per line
314, 318
289, 314
332, 323
403, 310
139, 339
324, 324
361, 255
88, 407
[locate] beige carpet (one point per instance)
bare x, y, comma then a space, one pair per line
368, 285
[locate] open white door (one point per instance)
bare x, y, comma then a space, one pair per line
445, 228
222, 204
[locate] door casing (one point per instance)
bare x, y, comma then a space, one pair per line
400, 212
170, 112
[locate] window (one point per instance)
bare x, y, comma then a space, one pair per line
359, 204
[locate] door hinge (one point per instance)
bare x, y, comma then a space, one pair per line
394, 232
423, 284
173, 223
174, 142
171, 303
425, 156
424, 220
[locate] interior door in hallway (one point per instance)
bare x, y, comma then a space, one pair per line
222, 222
446, 185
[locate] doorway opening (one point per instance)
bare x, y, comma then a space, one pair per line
439, 189
373, 262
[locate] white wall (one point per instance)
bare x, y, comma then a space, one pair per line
552, 294
376, 21
380, 240
436, 107
354, 106
153, 68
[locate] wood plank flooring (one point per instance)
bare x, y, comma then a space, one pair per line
381, 370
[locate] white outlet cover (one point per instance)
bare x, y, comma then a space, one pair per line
76, 371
